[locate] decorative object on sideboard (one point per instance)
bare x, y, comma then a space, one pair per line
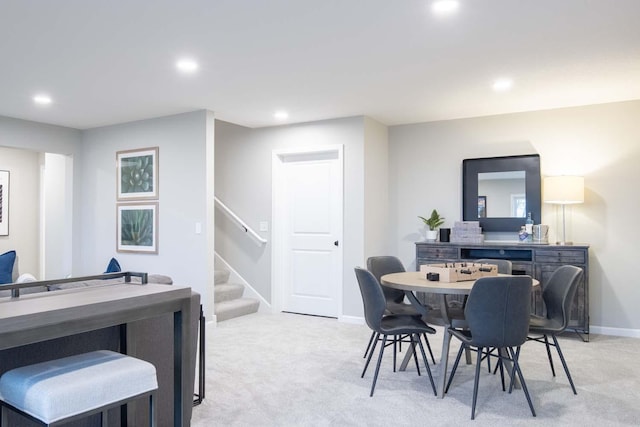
541, 233
433, 222
564, 190
467, 232
4, 203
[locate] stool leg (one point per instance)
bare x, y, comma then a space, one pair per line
153, 422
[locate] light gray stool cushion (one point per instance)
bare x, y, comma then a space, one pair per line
61, 388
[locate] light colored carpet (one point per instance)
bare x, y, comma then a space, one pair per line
294, 370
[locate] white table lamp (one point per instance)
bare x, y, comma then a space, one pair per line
564, 190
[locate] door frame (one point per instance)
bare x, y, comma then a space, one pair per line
278, 206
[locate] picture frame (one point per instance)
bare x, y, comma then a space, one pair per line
137, 174
137, 227
482, 206
4, 203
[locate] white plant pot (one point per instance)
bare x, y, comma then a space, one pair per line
432, 235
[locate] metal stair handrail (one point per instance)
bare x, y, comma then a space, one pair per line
243, 225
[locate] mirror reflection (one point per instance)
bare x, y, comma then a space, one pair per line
502, 194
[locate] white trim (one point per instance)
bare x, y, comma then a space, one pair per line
618, 332
249, 291
277, 208
354, 320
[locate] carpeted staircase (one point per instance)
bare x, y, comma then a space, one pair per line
229, 302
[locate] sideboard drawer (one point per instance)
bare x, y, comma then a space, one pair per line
443, 253
560, 256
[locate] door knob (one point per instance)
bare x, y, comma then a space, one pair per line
335, 243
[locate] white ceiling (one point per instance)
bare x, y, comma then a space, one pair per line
106, 62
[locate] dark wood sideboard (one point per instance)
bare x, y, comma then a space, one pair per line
536, 260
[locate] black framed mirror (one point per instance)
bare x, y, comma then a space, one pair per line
500, 191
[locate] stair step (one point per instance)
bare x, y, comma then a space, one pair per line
221, 276
238, 307
227, 291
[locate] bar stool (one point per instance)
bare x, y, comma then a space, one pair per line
58, 391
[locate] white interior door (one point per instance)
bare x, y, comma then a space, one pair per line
308, 223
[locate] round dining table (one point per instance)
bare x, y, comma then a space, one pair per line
416, 281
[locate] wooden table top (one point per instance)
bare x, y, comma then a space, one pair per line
64, 312
416, 281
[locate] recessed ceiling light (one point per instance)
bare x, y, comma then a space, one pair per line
187, 65
443, 7
42, 99
502, 85
281, 115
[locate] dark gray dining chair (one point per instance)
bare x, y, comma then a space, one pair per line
504, 267
557, 293
394, 325
395, 298
497, 314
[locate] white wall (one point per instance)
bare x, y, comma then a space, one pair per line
184, 143
24, 207
56, 216
376, 190
243, 182
600, 142
42, 138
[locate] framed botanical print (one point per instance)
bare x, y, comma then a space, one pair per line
137, 174
137, 229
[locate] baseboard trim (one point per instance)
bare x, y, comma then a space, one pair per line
352, 319
618, 332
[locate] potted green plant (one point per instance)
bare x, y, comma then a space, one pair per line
433, 222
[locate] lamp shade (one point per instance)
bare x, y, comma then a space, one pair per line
564, 189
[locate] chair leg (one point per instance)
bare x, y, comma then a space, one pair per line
366, 352
153, 412
415, 355
455, 366
395, 342
516, 368
426, 363
375, 376
475, 384
501, 366
426, 340
546, 343
564, 363
375, 343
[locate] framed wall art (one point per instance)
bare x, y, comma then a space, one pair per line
4, 203
137, 227
137, 174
